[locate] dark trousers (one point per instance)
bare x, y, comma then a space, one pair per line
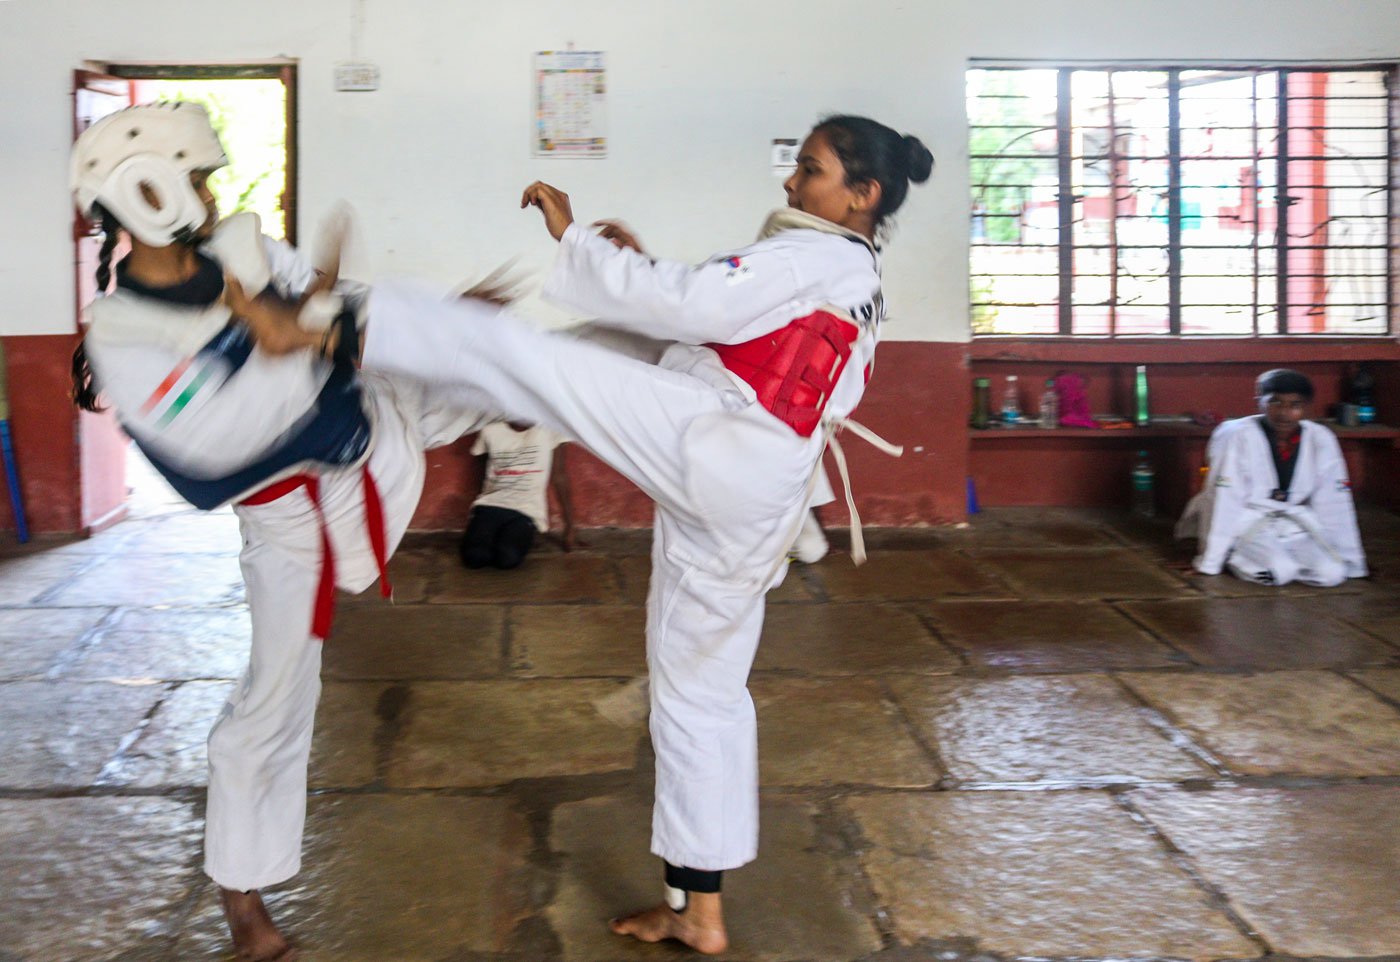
496, 537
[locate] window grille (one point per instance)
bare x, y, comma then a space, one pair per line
1132, 200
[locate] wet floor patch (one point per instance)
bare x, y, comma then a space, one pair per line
1033, 737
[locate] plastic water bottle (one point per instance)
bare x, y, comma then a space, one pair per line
1144, 503
1011, 401
1050, 406
1362, 393
1142, 413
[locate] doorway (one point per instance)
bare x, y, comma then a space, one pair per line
253, 108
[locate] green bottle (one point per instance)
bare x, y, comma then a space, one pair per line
1143, 416
981, 402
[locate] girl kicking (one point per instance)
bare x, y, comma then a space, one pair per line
773, 343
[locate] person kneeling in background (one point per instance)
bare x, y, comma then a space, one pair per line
518, 458
1276, 506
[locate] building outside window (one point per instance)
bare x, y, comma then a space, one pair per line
1123, 200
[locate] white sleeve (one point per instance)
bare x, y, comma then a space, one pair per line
1228, 483
1332, 502
718, 301
293, 272
1195, 518
480, 446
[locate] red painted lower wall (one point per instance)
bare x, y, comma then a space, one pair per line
72, 464
44, 427
919, 397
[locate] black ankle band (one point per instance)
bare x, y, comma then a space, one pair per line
692, 879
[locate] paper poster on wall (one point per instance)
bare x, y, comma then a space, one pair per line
570, 104
784, 156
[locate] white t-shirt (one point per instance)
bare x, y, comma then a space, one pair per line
517, 469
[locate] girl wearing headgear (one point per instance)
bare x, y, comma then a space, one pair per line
323, 465
774, 343
1276, 506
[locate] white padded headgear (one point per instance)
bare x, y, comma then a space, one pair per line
155, 146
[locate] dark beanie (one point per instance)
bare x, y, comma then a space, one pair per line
1283, 381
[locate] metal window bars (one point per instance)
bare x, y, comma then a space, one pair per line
1118, 201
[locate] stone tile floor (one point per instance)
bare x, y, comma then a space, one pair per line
1035, 737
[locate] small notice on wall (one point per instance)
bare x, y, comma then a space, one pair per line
784, 156
571, 94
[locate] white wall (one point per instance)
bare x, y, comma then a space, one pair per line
435, 160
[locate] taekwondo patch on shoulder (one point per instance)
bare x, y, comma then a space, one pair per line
738, 271
1343, 484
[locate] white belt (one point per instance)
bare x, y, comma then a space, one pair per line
829, 432
1303, 525
870, 437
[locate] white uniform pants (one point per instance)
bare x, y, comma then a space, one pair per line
259, 746
1279, 550
730, 486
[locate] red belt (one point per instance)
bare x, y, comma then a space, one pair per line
374, 523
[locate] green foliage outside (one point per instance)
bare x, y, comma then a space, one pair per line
1000, 99
984, 315
251, 119
1009, 112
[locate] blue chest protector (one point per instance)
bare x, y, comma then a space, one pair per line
335, 431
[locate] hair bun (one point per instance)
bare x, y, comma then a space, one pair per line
920, 159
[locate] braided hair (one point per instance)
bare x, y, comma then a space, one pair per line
85, 391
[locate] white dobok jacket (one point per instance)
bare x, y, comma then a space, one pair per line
1238, 494
799, 264
210, 406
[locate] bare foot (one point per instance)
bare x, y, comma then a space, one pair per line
255, 935
701, 926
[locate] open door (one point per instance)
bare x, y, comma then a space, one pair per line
102, 445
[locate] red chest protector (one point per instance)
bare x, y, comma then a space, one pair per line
794, 368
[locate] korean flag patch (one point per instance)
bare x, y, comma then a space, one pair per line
738, 271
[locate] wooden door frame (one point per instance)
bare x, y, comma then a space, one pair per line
283, 70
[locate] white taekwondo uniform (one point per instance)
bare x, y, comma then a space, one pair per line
1310, 535
189, 388
731, 481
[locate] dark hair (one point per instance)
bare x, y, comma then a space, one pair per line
1281, 380
84, 387
871, 151
109, 225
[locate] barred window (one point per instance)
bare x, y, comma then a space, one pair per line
1182, 201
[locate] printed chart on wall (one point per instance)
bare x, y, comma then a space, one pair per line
570, 104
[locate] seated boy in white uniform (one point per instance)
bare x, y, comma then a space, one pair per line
1277, 504
512, 505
